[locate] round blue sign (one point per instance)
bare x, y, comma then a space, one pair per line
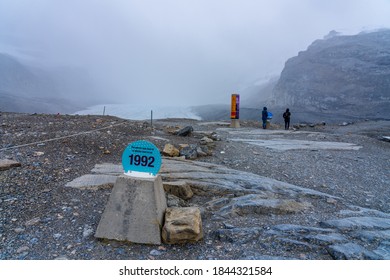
141, 156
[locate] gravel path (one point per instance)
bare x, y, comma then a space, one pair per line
40, 219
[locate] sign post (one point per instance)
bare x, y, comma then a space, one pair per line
136, 207
142, 159
235, 111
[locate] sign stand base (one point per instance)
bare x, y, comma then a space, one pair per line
135, 211
235, 123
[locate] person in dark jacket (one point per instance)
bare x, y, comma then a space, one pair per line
264, 116
286, 117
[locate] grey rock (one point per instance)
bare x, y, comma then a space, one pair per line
295, 244
372, 235
93, 182
383, 250
238, 235
353, 223
190, 152
326, 239
155, 252
87, 231
6, 164
294, 229
257, 204
351, 251
185, 131
174, 201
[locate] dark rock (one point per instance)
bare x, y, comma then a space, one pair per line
186, 131
190, 152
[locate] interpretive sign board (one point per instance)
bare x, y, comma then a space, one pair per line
141, 156
235, 107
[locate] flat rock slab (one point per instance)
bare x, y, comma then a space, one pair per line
209, 179
6, 164
353, 223
290, 144
281, 142
93, 181
205, 178
108, 168
351, 251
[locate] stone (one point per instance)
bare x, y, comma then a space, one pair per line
182, 225
257, 204
87, 231
93, 182
32, 221
22, 249
238, 235
178, 188
174, 201
293, 144
190, 151
206, 141
351, 251
385, 138
135, 211
185, 131
6, 164
170, 151
383, 250
326, 239
353, 223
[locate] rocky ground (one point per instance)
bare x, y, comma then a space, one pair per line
257, 201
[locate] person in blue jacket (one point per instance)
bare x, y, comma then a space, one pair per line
264, 116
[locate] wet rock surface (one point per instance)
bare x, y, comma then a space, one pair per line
256, 202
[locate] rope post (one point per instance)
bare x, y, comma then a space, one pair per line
151, 119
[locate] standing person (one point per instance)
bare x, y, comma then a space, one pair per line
286, 117
264, 116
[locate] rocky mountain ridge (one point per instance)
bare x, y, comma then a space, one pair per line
346, 75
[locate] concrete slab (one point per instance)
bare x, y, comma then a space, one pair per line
134, 211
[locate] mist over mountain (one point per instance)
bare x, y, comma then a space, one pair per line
339, 75
32, 89
337, 78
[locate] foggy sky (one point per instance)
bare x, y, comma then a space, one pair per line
176, 52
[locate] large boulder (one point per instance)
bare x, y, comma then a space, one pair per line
182, 225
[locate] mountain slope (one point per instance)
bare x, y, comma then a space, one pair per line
30, 89
342, 75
